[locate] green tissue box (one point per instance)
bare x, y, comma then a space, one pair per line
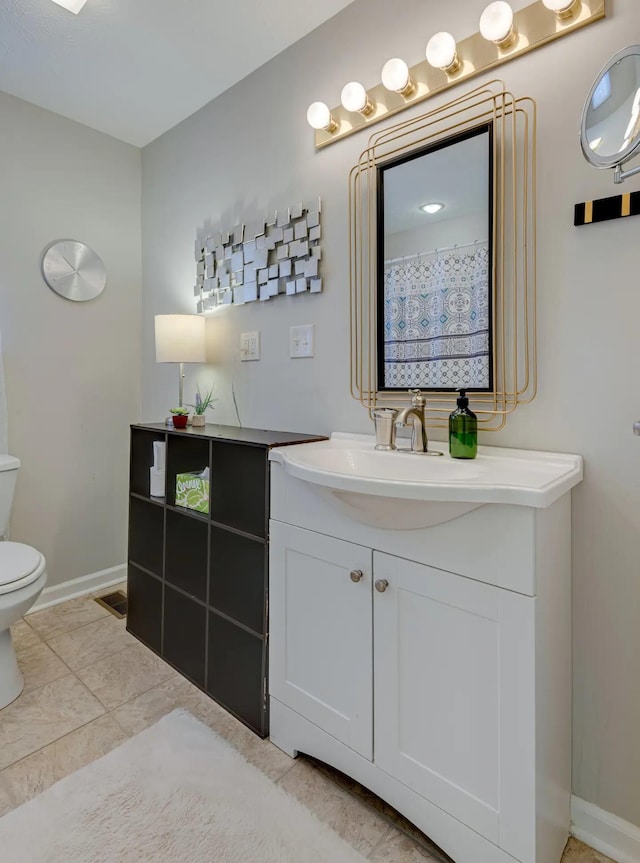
192, 491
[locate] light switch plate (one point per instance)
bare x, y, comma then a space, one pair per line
301, 341
250, 346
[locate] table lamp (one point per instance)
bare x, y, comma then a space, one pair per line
180, 339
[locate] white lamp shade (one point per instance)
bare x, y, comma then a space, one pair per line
72, 5
441, 50
180, 339
496, 22
353, 96
319, 116
395, 75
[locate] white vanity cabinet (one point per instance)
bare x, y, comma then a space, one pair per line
321, 630
432, 665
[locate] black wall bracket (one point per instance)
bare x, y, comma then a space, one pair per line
605, 209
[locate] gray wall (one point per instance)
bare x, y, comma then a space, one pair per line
71, 368
251, 150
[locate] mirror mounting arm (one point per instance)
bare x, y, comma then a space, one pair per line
619, 176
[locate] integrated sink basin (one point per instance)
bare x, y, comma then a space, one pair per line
408, 490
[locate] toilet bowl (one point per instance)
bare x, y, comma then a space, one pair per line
22, 578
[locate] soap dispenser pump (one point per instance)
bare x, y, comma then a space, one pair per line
463, 430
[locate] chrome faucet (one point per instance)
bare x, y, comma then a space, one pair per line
416, 413
386, 420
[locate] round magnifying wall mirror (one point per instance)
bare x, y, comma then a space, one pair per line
610, 132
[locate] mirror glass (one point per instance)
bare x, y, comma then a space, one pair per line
434, 268
611, 117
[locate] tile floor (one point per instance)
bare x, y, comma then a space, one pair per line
89, 685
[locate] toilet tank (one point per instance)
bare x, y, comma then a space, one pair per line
8, 473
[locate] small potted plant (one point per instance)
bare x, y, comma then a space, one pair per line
200, 406
180, 417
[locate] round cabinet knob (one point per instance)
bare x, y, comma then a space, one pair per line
356, 575
381, 585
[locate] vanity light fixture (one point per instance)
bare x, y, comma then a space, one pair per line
71, 5
432, 207
563, 8
442, 53
514, 33
354, 98
396, 77
320, 117
496, 24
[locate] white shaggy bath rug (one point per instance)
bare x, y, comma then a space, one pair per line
176, 793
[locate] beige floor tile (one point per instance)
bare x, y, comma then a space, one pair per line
398, 848
37, 772
90, 643
38, 718
40, 665
359, 825
141, 712
124, 675
261, 753
398, 822
578, 852
66, 616
23, 635
177, 692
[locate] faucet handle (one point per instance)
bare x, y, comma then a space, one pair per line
418, 399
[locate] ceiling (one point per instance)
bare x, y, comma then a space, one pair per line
135, 68
456, 176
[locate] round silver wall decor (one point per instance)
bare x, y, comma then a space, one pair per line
73, 270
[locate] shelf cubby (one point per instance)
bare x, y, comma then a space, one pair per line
142, 460
184, 641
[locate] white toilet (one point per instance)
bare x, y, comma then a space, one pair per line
22, 577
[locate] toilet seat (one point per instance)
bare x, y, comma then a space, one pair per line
20, 565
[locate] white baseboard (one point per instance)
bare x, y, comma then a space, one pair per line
605, 832
82, 586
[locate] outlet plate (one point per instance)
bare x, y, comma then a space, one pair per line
301, 341
250, 346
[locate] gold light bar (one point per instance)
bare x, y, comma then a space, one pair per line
535, 26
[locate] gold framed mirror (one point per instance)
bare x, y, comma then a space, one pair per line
511, 377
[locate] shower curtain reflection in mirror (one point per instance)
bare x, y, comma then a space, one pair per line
435, 268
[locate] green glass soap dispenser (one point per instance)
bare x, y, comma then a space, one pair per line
463, 430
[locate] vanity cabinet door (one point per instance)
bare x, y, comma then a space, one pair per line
320, 632
454, 693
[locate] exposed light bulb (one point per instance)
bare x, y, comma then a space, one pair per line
396, 77
354, 98
442, 52
563, 8
431, 208
319, 117
496, 24
71, 5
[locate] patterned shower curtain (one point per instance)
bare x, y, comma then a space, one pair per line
436, 320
